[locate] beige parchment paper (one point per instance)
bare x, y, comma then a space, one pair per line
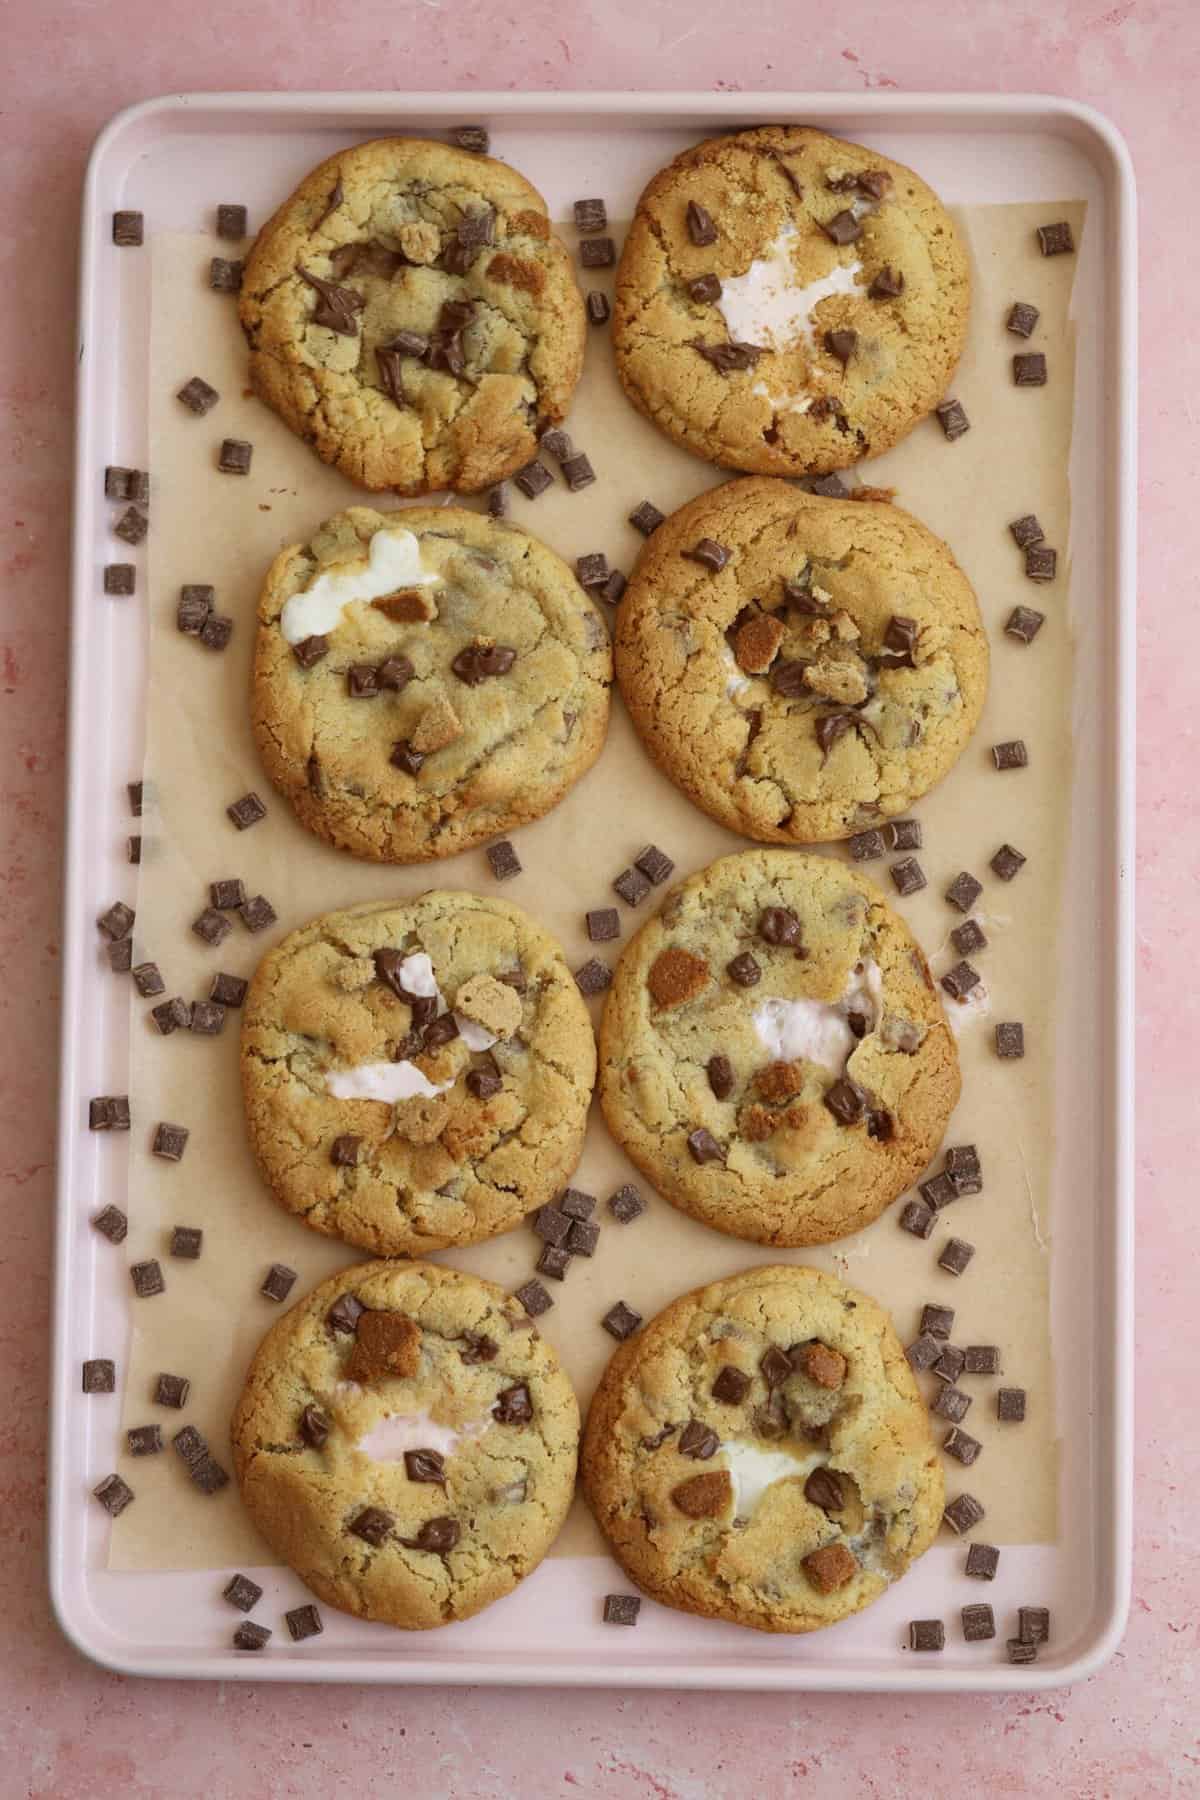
209, 527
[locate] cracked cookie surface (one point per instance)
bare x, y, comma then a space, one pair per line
412, 316
808, 360
760, 1453
802, 1076
825, 678
416, 1075
445, 747
407, 1442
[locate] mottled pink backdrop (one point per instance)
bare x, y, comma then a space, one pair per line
71, 1732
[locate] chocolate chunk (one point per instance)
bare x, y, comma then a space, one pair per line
823, 1489
114, 1495
534, 1298
903, 834
590, 215
120, 956
887, 285
864, 846
744, 970
258, 913
708, 552
303, 1622
187, 1241
247, 811
908, 876
577, 472
498, 501
626, 1204
514, 1405
1010, 1405
1019, 1652
132, 526
228, 990
231, 223
830, 1567
1027, 531
620, 1321
1022, 318
621, 1609
778, 925
597, 253
982, 1359
211, 926
344, 1151
951, 1403
1010, 1040
614, 588
172, 1015
843, 228
583, 1238
120, 578
481, 662
234, 456
731, 1385
278, 1282
1007, 862
982, 1559
1012, 755
554, 1261
1029, 369
480, 1349
227, 895
576, 1204
845, 1101
592, 571
880, 1124
899, 642
632, 885
937, 1321
112, 1224
441, 1031
963, 1514
128, 228
425, 1465
147, 1278
918, 1219
170, 1141
195, 608
224, 275
720, 1080
950, 1364
593, 977
172, 1390
310, 650
830, 487
968, 938
961, 980
483, 1083
1056, 239
705, 289
775, 1365
438, 1535
841, 344
953, 419
961, 1446
336, 307
700, 226
117, 922
144, 1440
361, 681
533, 479
242, 1593
198, 396
117, 482
927, 1634
963, 1169
964, 891
216, 632
729, 356
109, 1112
344, 1314
1041, 562
598, 309
314, 1427
404, 757
646, 518
978, 1623
99, 1376
472, 137
699, 1441
654, 864
702, 1144
1033, 1624
1024, 623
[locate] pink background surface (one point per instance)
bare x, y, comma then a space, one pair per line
68, 1729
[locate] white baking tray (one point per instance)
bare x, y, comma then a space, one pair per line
173, 158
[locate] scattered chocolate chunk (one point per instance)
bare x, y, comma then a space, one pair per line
654, 864
823, 1489
593, 977
597, 253
533, 479
171, 1015
646, 518
278, 1282
234, 456
590, 216
147, 1279
614, 588
705, 289
968, 938
1029, 369
1010, 1405
731, 1385
621, 1609
120, 578
918, 1219
830, 1567
775, 1365
554, 1261
1007, 862
963, 1169
978, 1623
225, 276
258, 913
425, 1465
1041, 563
1024, 623
703, 1145
472, 137
708, 552
953, 419
937, 1321
887, 285
592, 571
498, 501
534, 1298
144, 1440
1026, 531
927, 1634
227, 895
480, 1349
843, 228
744, 969
114, 1495
864, 846
982, 1359
314, 1426
228, 990
841, 344
698, 1441
963, 1514
778, 925
961, 980
1056, 239
198, 396
120, 956
247, 811
119, 483
577, 472
212, 927
170, 1141
117, 922
132, 526
194, 609
961, 1446
582, 1238
908, 876
700, 225
100, 1376
112, 1224
845, 1101
303, 1622
310, 650
982, 1559
172, 1390
830, 487
514, 1405
950, 1364
362, 682
438, 1535
903, 834
1033, 1624
128, 229
133, 849
1022, 318
703, 1496
728, 357
1019, 1652
216, 632
1010, 1039
242, 1593
109, 1112
964, 891
951, 1403
626, 1204
720, 1077
187, 1241
598, 309
620, 1321
231, 223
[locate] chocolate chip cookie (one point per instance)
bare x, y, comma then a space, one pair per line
760, 1453
416, 1075
425, 679
774, 1056
412, 316
787, 303
800, 666
407, 1442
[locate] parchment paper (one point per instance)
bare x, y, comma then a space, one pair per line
210, 527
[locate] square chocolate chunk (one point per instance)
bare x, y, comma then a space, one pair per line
187, 1241
198, 396
112, 1224
614, 588
1041, 562
554, 1261
228, 990
576, 1204
951, 1403
1007, 862
577, 472
1033, 1624
654, 864
598, 308
1024, 623
917, 1219
952, 418
211, 926
964, 1169
731, 1385
170, 1141
147, 1278
864, 846
1056, 239
593, 977
227, 895
598, 253
968, 938
278, 1282
1029, 369
128, 229
963, 1514
955, 1256
592, 570
114, 1495
132, 526
907, 876
982, 1359
1010, 1405
533, 479
1022, 318
224, 275
242, 1593
120, 956
923, 1353
620, 1321
194, 608
1010, 1040
964, 891
120, 578
961, 1446
982, 1562
709, 554
231, 223
1026, 530
216, 632
938, 1191
171, 1015
100, 1376
603, 924
117, 922
621, 1609
505, 863
961, 980
646, 518
172, 1390
583, 1238
937, 1321
590, 215
258, 913
927, 1634
144, 1440
133, 849
247, 811
534, 1298
950, 1364
551, 1225
304, 1621
234, 456
250, 1636
626, 1204
632, 885
1019, 1652
978, 1623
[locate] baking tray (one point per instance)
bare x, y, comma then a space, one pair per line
172, 158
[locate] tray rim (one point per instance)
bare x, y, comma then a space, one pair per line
1114, 1486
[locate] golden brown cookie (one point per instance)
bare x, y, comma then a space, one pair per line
802, 1076
760, 1453
787, 303
412, 1494
425, 679
416, 1075
824, 677
412, 316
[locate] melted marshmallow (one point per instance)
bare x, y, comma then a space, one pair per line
816, 1030
398, 1432
753, 1470
797, 403
386, 1081
393, 562
769, 307
417, 977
